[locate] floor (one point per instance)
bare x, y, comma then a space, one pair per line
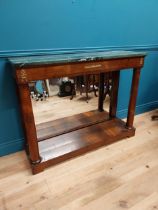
121, 176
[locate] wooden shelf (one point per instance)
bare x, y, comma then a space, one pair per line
68, 145
68, 124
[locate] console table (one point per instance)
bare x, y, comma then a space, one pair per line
56, 141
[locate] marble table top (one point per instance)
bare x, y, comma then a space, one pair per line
72, 58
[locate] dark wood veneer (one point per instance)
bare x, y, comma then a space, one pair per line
66, 146
53, 142
67, 124
41, 72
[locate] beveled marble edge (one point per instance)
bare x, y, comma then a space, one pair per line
72, 57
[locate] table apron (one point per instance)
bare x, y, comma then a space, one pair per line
31, 73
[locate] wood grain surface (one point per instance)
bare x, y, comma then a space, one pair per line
120, 176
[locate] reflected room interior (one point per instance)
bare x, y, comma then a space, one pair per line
66, 102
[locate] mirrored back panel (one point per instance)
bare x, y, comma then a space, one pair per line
66, 102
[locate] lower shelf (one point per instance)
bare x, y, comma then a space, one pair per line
57, 127
66, 146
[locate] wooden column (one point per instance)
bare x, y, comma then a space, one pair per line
101, 92
133, 97
29, 123
114, 94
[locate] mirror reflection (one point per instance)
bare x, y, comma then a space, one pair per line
57, 98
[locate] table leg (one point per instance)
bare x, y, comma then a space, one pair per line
87, 86
101, 92
29, 124
133, 97
114, 94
